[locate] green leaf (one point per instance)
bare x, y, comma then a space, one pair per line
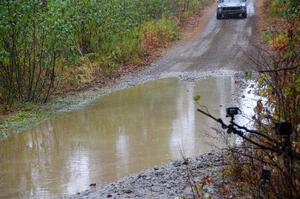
248, 74
260, 83
298, 79
197, 98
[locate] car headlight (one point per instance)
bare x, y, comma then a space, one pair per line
244, 8
219, 9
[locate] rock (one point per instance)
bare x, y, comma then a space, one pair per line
127, 191
141, 175
176, 163
199, 158
185, 162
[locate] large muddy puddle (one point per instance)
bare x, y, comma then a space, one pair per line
119, 134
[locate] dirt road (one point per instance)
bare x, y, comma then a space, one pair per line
223, 44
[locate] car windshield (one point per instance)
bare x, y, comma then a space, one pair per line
231, 1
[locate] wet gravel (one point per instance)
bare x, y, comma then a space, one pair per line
171, 180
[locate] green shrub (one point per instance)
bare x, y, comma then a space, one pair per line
38, 38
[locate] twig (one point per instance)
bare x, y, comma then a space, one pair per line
280, 69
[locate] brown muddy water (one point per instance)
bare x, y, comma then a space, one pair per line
117, 135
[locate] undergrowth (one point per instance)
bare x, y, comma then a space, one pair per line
55, 46
278, 65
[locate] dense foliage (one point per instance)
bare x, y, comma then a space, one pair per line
40, 40
279, 85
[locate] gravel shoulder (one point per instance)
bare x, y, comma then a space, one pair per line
172, 180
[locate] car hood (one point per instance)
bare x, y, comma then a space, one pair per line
231, 4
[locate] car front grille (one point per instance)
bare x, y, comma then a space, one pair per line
232, 8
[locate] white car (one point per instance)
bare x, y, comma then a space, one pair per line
231, 7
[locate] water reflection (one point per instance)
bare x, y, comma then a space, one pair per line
119, 134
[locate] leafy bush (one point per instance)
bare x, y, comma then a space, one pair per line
34, 37
40, 39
